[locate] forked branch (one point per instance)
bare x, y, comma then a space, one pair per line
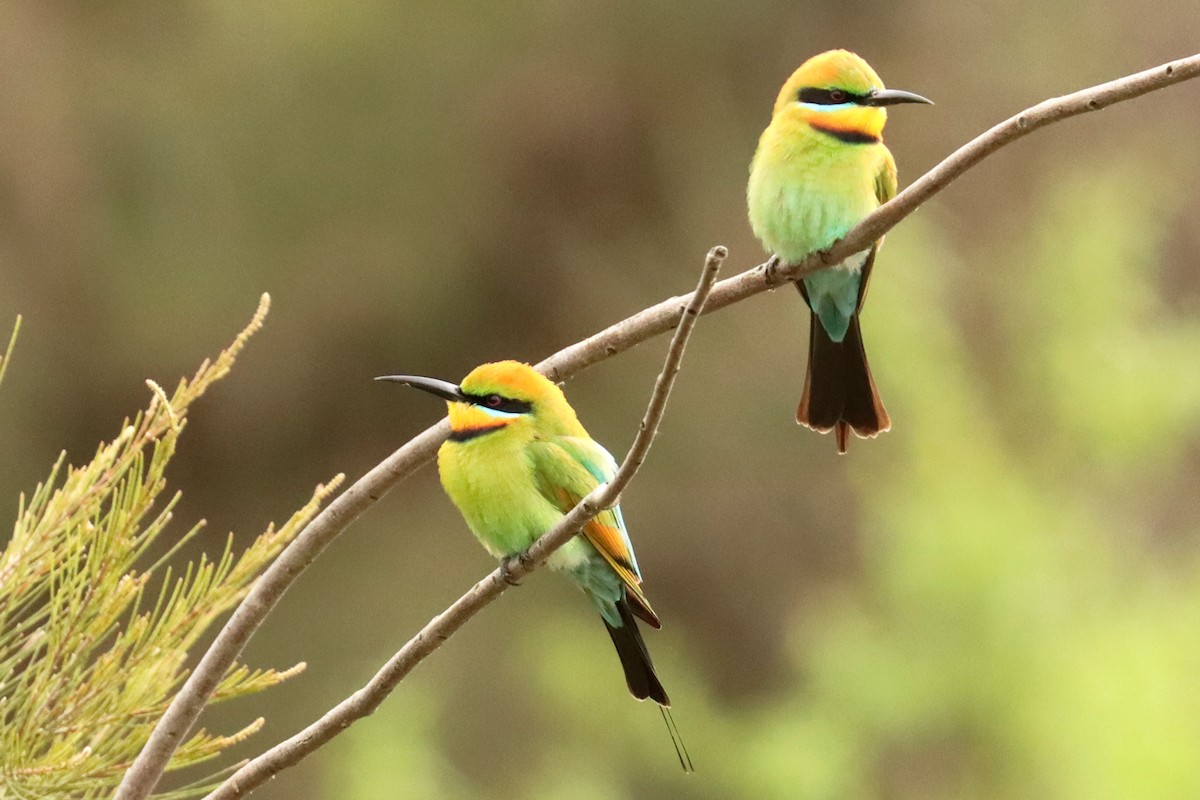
441, 627
186, 707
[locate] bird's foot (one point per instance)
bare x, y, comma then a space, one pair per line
508, 564
771, 270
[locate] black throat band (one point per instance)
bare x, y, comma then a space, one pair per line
849, 137
467, 434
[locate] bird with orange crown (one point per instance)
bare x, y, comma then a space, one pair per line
516, 461
820, 167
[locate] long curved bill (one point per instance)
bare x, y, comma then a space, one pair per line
893, 97
443, 389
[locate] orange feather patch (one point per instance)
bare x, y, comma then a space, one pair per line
609, 542
510, 378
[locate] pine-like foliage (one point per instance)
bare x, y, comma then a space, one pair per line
90, 655
4, 359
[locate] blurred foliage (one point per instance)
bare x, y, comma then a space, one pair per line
1009, 636
89, 657
994, 600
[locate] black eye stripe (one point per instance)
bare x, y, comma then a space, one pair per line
828, 97
505, 404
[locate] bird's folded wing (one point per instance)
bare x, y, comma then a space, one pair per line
569, 467
885, 189
886, 181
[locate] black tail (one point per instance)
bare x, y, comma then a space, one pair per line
635, 659
838, 391
640, 676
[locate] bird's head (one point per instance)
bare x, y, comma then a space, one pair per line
838, 93
505, 395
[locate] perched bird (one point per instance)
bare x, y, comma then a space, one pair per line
516, 461
820, 167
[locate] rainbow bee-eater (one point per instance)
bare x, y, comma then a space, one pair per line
516, 461
821, 166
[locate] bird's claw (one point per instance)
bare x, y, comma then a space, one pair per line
506, 568
771, 270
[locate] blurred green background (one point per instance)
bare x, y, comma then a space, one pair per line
998, 599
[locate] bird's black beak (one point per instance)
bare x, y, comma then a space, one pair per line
443, 389
892, 97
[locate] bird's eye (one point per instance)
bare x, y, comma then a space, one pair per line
494, 400
824, 97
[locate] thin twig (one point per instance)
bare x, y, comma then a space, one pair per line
179, 718
439, 629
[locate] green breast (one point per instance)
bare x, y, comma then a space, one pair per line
490, 480
805, 192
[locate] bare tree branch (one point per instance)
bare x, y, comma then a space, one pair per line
440, 628
270, 587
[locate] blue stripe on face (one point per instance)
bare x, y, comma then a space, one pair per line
497, 413
827, 108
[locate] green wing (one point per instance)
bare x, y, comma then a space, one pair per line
886, 181
885, 189
567, 469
